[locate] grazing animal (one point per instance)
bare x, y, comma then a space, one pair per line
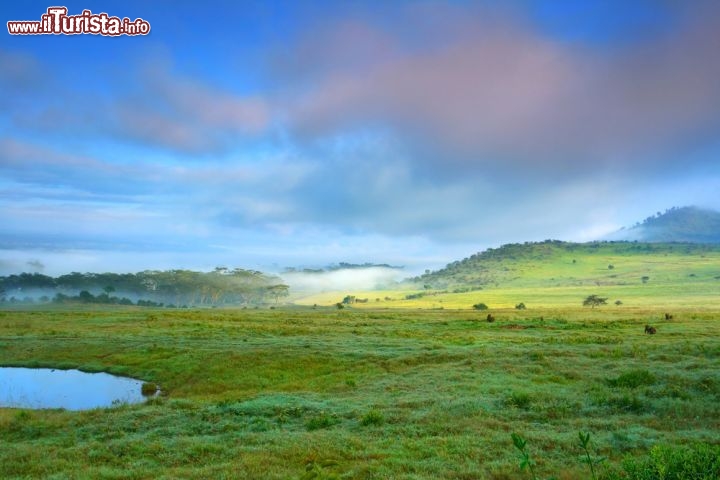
668, 316
490, 318
650, 330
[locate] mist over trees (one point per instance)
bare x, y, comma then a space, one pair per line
222, 286
677, 224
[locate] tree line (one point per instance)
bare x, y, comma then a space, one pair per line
221, 286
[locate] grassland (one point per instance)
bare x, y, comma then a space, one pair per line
559, 275
367, 393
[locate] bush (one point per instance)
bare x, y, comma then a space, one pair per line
148, 389
414, 296
373, 417
633, 379
519, 400
480, 306
520, 306
321, 420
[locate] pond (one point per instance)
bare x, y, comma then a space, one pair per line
68, 389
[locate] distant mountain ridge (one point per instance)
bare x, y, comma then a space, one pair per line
678, 224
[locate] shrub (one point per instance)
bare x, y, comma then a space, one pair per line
520, 306
633, 379
148, 389
519, 400
321, 420
480, 306
373, 417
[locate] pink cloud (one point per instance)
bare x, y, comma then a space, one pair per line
192, 100
151, 106
503, 90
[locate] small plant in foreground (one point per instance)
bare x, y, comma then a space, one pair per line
589, 460
697, 461
525, 460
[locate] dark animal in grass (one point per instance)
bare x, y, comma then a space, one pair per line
490, 318
668, 316
650, 330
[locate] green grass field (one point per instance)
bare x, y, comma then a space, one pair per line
560, 275
369, 393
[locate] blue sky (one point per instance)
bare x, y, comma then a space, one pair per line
269, 134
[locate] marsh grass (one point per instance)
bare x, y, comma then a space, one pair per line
384, 394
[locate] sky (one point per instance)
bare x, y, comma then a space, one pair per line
268, 134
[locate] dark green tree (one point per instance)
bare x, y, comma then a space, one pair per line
593, 301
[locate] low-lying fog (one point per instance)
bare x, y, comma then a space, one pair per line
351, 279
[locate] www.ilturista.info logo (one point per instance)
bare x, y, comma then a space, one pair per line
56, 21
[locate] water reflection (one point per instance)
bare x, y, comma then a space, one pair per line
69, 389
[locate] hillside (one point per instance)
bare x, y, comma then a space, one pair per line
556, 263
684, 224
560, 274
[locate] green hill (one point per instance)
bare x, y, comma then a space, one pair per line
554, 263
554, 274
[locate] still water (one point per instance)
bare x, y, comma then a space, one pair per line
68, 389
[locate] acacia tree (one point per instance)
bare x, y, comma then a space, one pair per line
593, 301
278, 291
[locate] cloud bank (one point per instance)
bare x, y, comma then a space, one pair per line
413, 137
